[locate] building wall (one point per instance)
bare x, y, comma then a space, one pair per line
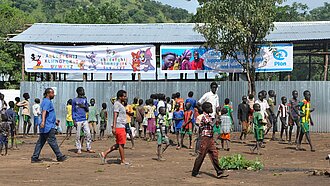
103, 91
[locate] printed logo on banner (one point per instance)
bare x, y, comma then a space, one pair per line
95, 59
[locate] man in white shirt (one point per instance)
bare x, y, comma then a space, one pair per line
211, 97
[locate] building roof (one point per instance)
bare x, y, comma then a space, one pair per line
166, 33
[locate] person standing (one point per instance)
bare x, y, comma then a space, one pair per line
118, 128
47, 128
243, 117
36, 115
211, 97
79, 110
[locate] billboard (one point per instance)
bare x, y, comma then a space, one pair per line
193, 59
90, 59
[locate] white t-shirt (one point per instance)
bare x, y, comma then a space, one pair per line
121, 117
36, 110
161, 103
213, 99
263, 107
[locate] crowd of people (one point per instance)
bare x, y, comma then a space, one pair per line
156, 118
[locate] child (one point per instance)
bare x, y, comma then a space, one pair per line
4, 132
178, 117
294, 116
225, 123
11, 115
187, 126
103, 120
259, 122
151, 120
134, 123
37, 115
140, 116
283, 112
305, 119
161, 136
93, 117
69, 121
217, 131
169, 115
26, 113
129, 115
207, 143
229, 110
145, 119
58, 128
16, 109
243, 117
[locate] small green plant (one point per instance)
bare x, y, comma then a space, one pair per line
237, 161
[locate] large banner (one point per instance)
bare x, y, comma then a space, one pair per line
90, 59
193, 59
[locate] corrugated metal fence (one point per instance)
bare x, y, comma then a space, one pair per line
103, 91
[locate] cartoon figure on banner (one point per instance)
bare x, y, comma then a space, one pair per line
145, 59
92, 61
38, 65
111, 52
135, 61
81, 65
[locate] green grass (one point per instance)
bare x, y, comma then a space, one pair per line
237, 162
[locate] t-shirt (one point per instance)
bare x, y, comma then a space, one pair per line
305, 111
230, 110
192, 102
121, 118
257, 116
263, 107
150, 110
129, 109
294, 110
213, 99
176, 115
161, 103
243, 112
225, 124
69, 113
283, 109
271, 103
79, 114
140, 114
180, 102
50, 123
92, 114
188, 114
36, 110
134, 107
103, 115
26, 107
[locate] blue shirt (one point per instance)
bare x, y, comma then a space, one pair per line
178, 114
11, 114
50, 123
79, 114
192, 102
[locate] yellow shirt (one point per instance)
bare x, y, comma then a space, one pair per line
129, 109
305, 111
69, 113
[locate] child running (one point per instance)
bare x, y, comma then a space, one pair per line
103, 120
161, 136
187, 126
178, 117
69, 121
226, 125
207, 143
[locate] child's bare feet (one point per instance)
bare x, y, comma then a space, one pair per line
90, 151
101, 155
79, 151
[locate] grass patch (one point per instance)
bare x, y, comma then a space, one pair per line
238, 161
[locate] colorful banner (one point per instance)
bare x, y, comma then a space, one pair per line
193, 59
90, 59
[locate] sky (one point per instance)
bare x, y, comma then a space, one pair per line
193, 4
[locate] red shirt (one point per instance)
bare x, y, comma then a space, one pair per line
197, 65
180, 101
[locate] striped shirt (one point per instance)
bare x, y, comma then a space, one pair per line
206, 125
283, 109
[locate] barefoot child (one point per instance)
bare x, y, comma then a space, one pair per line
187, 125
129, 115
259, 122
243, 117
178, 117
207, 142
305, 119
161, 136
294, 116
4, 133
283, 112
140, 116
225, 125
151, 119
11, 115
93, 115
36, 115
69, 121
103, 120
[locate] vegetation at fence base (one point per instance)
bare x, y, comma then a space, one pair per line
238, 161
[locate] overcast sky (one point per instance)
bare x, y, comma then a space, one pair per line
192, 4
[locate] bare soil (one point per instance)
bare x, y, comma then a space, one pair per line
283, 165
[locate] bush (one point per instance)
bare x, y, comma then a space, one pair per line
237, 161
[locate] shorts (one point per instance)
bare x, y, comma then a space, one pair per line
69, 123
152, 125
162, 139
3, 139
12, 130
120, 136
304, 127
284, 123
128, 128
293, 121
225, 136
26, 118
259, 134
103, 125
186, 131
245, 127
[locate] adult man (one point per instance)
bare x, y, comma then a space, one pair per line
118, 128
47, 128
79, 110
211, 97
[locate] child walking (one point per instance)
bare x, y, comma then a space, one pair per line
4, 133
178, 117
259, 123
69, 121
207, 143
11, 115
161, 136
36, 114
93, 118
187, 126
103, 120
283, 112
226, 124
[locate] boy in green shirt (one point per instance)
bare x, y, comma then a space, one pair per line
93, 117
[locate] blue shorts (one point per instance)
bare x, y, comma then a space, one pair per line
128, 128
3, 139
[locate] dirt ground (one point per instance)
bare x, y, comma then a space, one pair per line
283, 165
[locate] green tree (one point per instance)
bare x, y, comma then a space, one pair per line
294, 12
321, 13
232, 26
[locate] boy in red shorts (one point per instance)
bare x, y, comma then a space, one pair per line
118, 128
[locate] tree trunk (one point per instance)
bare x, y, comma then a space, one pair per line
250, 73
